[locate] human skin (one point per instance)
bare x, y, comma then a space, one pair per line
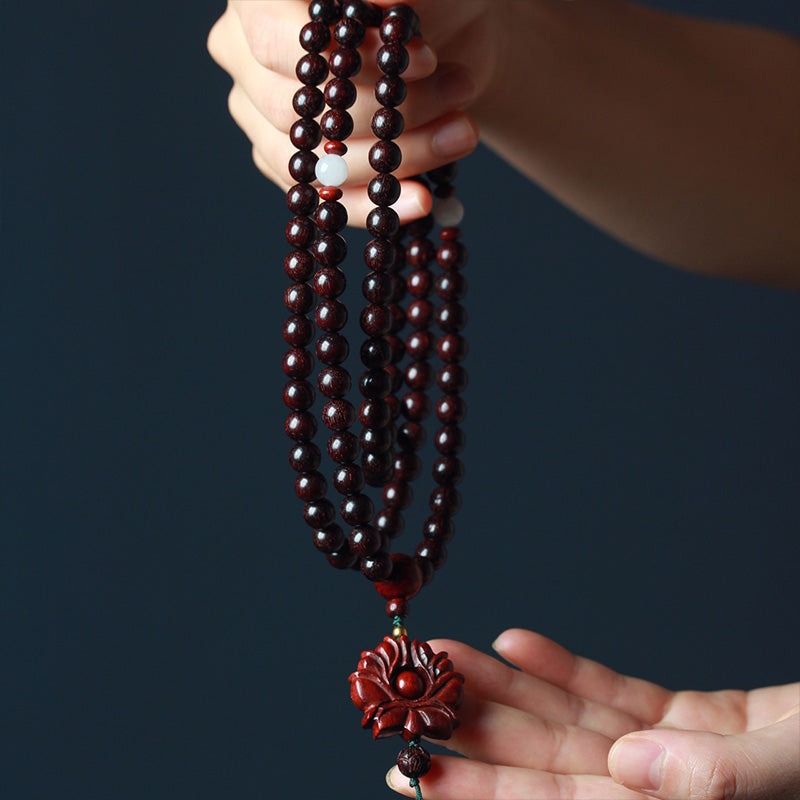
676, 135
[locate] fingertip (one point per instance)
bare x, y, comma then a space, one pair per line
505, 641
396, 782
415, 201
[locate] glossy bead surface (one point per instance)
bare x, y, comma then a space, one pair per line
326, 11
392, 59
310, 486
397, 607
419, 375
298, 395
419, 313
384, 156
375, 352
302, 199
299, 265
343, 448
409, 684
450, 409
397, 494
328, 540
406, 580
451, 255
301, 426
298, 298
319, 514
315, 37
419, 344
451, 286
411, 436
387, 124
374, 384
311, 69
448, 470
298, 363
332, 348
380, 255
374, 413
302, 165
348, 479
345, 62
390, 522
343, 559
416, 406
383, 222
304, 457
390, 90
305, 134
375, 320
438, 528
340, 93
414, 762
331, 315
330, 249
349, 32
298, 331
452, 347
331, 217
384, 190
396, 29
357, 509
376, 440
336, 124
329, 282
451, 317
338, 415
407, 467
364, 540
334, 382
445, 500
300, 232
308, 102
377, 567
435, 552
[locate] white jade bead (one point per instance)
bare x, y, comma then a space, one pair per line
448, 211
331, 170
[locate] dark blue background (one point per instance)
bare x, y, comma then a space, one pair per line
168, 630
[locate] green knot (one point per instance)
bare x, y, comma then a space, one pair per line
398, 620
414, 784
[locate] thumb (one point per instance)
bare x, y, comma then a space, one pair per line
691, 765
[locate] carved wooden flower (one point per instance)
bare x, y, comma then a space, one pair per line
404, 687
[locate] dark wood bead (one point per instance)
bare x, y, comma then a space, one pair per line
302, 199
419, 375
304, 457
337, 124
397, 494
300, 232
414, 762
451, 286
452, 317
395, 29
426, 568
397, 607
376, 440
331, 217
319, 513
416, 406
331, 315
315, 37
308, 102
364, 539
398, 348
449, 439
390, 90
420, 252
299, 265
298, 395
348, 479
305, 134
450, 409
369, 13
349, 32
376, 464
392, 59
343, 448
338, 415
330, 282
387, 124
374, 414
448, 471
357, 509
298, 298
395, 378
334, 382
332, 348
301, 426
340, 93
330, 539
377, 567
330, 249
345, 62
435, 552
310, 486
419, 344
377, 287
380, 255
302, 166
411, 436
390, 522
407, 467
439, 528
452, 347
444, 174
343, 559
326, 11
383, 222
419, 313
311, 69
450, 232
383, 157
298, 363
445, 500
419, 282
406, 579
375, 353
407, 13
374, 384
298, 331
398, 317
375, 320
394, 406
384, 189
451, 255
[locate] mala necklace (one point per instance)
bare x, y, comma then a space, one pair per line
402, 686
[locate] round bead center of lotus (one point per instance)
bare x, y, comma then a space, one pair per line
410, 685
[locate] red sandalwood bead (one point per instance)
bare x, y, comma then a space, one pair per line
406, 580
335, 148
330, 193
409, 684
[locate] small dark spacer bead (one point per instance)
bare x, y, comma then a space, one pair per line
310, 486
315, 37
397, 494
343, 448
452, 347
298, 298
328, 540
390, 522
357, 509
345, 62
343, 559
305, 134
349, 32
374, 414
308, 102
329, 282
451, 255
375, 352
451, 286
419, 375
340, 93
298, 395
444, 174
411, 436
395, 29
298, 331
407, 467
332, 348
377, 567
419, 313
331, 217
407, 13
299, 265
304, 457
331, 315
376, 440
383, 157
416, 406
300, 232
448, 471
301, 426
311, 69
390, 90
334, 382
302, 165
439, 528
452, 317
450, 409
384, 190
364, 539
326, 11
435, 552
414, 762
331, 193
302, 199
375, 384
319, 514
419, 344
393, 59
298, 363
397, 607
382, 222
338, 415
380, 255
348, 479
445, 500
336, 123
375, 320
387, 124
330, 249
